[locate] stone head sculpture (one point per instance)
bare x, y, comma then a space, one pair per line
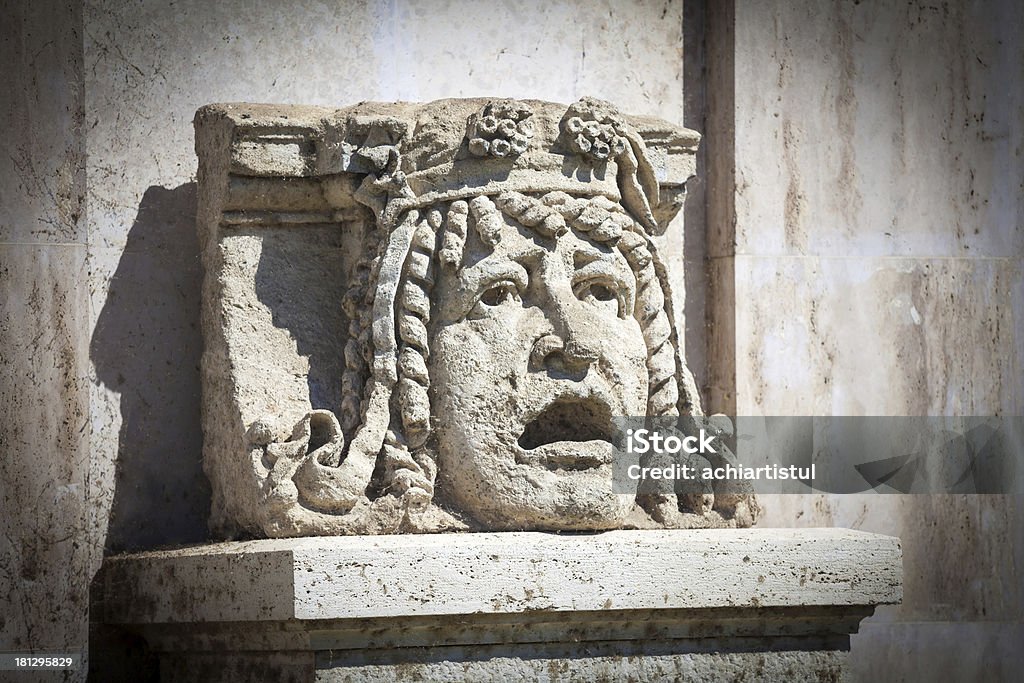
504, 300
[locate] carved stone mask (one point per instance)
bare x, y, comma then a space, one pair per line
505, 301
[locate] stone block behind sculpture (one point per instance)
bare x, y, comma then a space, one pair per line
424, 317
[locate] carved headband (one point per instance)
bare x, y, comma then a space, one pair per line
414, 155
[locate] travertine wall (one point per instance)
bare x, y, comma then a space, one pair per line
46, 553
867, 244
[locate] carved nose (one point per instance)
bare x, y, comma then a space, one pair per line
551, 352
574, 342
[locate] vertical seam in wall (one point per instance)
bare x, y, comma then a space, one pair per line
694, 337
92, 544
720, 198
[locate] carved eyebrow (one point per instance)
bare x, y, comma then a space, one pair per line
588, 263
584, 257
581, 258
472, 279
488, 270
602, 267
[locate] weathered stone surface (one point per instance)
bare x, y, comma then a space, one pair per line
418, 575
499, 665
495, 293
738, 603
49, 545
946, 322
42, 164
46, 551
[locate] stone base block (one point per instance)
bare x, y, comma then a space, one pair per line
634, 605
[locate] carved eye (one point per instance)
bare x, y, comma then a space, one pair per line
497, 296
499, 293
600, 294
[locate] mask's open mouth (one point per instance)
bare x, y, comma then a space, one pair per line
570, 434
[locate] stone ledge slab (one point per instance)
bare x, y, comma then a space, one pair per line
359, 577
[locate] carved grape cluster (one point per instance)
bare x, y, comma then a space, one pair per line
501, 129
595, 139
593, 129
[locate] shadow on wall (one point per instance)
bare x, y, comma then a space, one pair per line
302, 276
147, 346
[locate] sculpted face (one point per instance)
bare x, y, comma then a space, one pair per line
535, 348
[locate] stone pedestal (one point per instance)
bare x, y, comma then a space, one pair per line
755, 604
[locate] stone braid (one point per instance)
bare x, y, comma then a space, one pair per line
532, 213
454, 243
599, 217
663, 394
487, 219
409, 464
